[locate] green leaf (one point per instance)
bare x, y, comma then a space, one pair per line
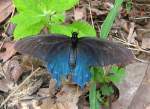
61, 5
106, 90
27, 24
39, 13
26, 18
57, 18
98, 74
94, 104
117, 74
23, 5
22, 31
83, 28
60, 29
128, 6
107, 24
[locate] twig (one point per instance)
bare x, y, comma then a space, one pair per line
19, 87
140, 4
138, 48
91, 14
145, 30
143, 61
13, 12
138, 18
2, 43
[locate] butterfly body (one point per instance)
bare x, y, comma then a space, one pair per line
73, 56
74, 40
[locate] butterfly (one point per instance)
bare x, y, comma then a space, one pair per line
64, 55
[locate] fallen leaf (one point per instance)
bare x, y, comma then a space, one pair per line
8, 52
146, 43
34, 86
124, 25
13, 69
79, 13
10, 29
148, 107
43, 92
6, 8
67, 98
4, 85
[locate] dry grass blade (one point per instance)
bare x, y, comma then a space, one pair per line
91, 14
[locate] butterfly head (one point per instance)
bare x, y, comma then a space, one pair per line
74, 39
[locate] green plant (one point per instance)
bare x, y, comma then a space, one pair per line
99, 75
34, 15
128, 5
106, 26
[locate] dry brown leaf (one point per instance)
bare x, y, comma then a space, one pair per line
67, 98
6, 8
10, 51
10, 29
124, 25
79, 13
4, 85
13, 70
43, 92
148, 107
34, 86
146, 43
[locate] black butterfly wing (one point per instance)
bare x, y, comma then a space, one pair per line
102, 53
94, 52
41, 46
53, 49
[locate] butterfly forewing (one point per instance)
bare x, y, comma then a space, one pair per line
52, 49
41, 46
102, 53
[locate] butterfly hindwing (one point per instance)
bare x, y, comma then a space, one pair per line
84, 59
58, 66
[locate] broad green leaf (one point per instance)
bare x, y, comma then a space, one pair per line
39, 13
22, 31
106, 26
60, 29
23, 5
20, 4
26, 18
83, 28
117, 74
94, 104
27, 24
57, 18
61, 5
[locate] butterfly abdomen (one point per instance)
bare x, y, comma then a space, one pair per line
72, 58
